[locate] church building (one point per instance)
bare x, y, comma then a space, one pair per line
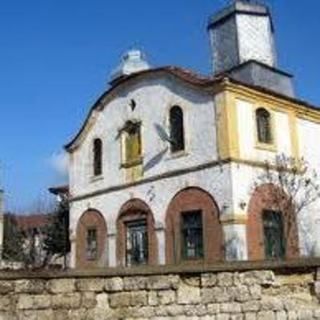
168, 166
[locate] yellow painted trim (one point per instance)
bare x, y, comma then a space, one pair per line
294, 136
227, 125
234, 219
274, 102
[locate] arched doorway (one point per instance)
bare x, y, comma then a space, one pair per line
193, 229
91, 240
271, 228
136, 238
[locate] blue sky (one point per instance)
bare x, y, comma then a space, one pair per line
56, 57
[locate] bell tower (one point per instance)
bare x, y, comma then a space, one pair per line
242, 32
243, 45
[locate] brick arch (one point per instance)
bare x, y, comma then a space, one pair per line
270, 197
90, 219
136, 209
190, 199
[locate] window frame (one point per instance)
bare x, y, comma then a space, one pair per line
271, 144
282, 245
201, 254
125, 162
91, 256
141, 222
181, 129
97, 157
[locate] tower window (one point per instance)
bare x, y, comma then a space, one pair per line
176, 129
263, 119
192, 235
137, 243
273, 235
91, 241
97, 157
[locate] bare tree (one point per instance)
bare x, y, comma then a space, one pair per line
294, 189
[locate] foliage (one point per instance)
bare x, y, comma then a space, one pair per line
57, 233
295, 190
295, 178
12, 239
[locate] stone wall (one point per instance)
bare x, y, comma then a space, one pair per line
239, 291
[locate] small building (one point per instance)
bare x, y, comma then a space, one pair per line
165, 167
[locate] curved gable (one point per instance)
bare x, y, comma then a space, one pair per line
183, 75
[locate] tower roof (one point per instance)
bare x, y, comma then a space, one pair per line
131, 62
242, 7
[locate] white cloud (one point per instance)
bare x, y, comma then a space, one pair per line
59, 163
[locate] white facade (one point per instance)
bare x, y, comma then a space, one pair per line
231, 185
222, 154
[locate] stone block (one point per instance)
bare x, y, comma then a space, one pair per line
272, 303
223, 316
5, 303
120, 300
292, 315
88, 300
305, 314
240, 293
238, 316
6, 286
126, 299
215, 295
153, 298
266, 315
213, 308
25, 301
170, 311
166, 297
195, 310
134, 283
30, 286
66, 301
92, 284
113, 284
208, 280
80, 314
316, 313
8, 316
145, 312
255, 291
262, 277
61, 286
225, 279
163, 282
281, 315
251, 306
42, 301
250, 316
230, 307
188, 294
138, 298
102, 301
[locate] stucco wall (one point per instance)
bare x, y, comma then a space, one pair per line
157, 195
154, 98
247, 133
240, 291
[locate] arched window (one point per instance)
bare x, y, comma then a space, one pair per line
97, 157
273, 232
263, 119
176, 129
